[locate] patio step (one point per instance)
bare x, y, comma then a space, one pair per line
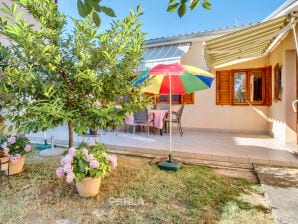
201, 158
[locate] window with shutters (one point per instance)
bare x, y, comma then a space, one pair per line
244, 87
176, 99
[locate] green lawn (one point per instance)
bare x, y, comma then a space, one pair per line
136, 192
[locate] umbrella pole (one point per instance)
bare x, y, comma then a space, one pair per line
170, 164
170, 155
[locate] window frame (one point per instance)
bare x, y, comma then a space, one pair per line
248, 73
225, 86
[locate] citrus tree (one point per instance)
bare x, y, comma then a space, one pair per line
49, 78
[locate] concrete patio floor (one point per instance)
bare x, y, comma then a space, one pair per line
206, 145
222, 148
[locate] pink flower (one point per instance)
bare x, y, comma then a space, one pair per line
70, 177
94, 164
67, 168
12, 140
27, 148
113, 160
14, 158
66, 159
85, 152
90, 157
5, 151
91, 144
60, 172
71, 151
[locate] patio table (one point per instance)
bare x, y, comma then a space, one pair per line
157, 116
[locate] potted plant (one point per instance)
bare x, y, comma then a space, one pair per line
85, 166
15, 147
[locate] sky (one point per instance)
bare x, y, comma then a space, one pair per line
157, 22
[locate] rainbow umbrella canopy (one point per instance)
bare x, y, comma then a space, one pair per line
173, 79
181, 78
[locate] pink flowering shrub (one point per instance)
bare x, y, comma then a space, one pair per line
88, 160
15, 146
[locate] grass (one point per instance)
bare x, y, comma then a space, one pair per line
136, 192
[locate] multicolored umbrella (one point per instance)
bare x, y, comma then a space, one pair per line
184, 79
173, 79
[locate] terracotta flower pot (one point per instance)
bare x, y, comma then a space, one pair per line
17, 167
88, 187
4, 163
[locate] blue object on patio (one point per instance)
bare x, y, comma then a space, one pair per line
45, 145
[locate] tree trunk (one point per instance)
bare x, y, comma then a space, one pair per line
70, 134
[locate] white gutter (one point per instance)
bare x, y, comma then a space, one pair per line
284, 9
295, 37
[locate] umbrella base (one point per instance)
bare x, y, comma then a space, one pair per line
43, 146
169, 165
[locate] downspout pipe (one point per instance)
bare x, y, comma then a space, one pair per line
294, 32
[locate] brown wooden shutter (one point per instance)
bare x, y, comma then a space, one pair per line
223, 87
268, 86
188, 98
157, 99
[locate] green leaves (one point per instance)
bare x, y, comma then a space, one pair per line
93, 7
83, 8
182, 6
172, 7
96, 18
194, 4
182, 10
108, 11
206, 4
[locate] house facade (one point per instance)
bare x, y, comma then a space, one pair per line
265, 59
256, 76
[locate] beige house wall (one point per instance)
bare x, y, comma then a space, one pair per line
205, 114
282, 116
277, 119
